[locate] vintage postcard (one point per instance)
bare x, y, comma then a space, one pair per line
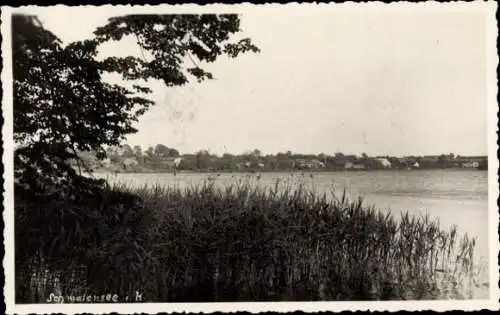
250, 157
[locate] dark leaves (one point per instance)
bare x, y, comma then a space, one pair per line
131, 68
200, 74
63, 106
244, 45
141, 89
169, 38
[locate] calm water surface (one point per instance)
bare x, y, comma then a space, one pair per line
454, 197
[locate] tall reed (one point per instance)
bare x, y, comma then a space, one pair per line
243, 242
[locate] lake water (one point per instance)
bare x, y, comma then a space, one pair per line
455, 197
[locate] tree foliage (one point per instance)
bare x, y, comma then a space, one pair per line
170, 38
164, 151
63, 109
63, 106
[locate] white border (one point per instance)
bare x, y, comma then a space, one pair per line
8, 263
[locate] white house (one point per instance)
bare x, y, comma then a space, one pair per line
129, 162
313, 164
177, 162
318, 164
355, 166
385, 162
172, 162
470, 165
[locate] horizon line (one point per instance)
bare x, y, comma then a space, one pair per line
263, 153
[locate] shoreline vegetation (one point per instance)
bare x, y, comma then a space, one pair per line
239, 243
162, 159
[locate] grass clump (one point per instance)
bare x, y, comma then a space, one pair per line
247, 243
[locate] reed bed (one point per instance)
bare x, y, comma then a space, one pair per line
243, 242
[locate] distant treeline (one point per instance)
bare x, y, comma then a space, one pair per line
164, 159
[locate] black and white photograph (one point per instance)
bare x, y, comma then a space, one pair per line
207, 158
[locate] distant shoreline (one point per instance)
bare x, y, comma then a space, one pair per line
104, 171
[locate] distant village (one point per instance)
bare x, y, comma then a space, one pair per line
164, 159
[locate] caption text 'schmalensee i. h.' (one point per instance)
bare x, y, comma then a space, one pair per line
94, 298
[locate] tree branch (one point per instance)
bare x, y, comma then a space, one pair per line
140, 47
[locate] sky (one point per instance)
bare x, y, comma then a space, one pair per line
396, 80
